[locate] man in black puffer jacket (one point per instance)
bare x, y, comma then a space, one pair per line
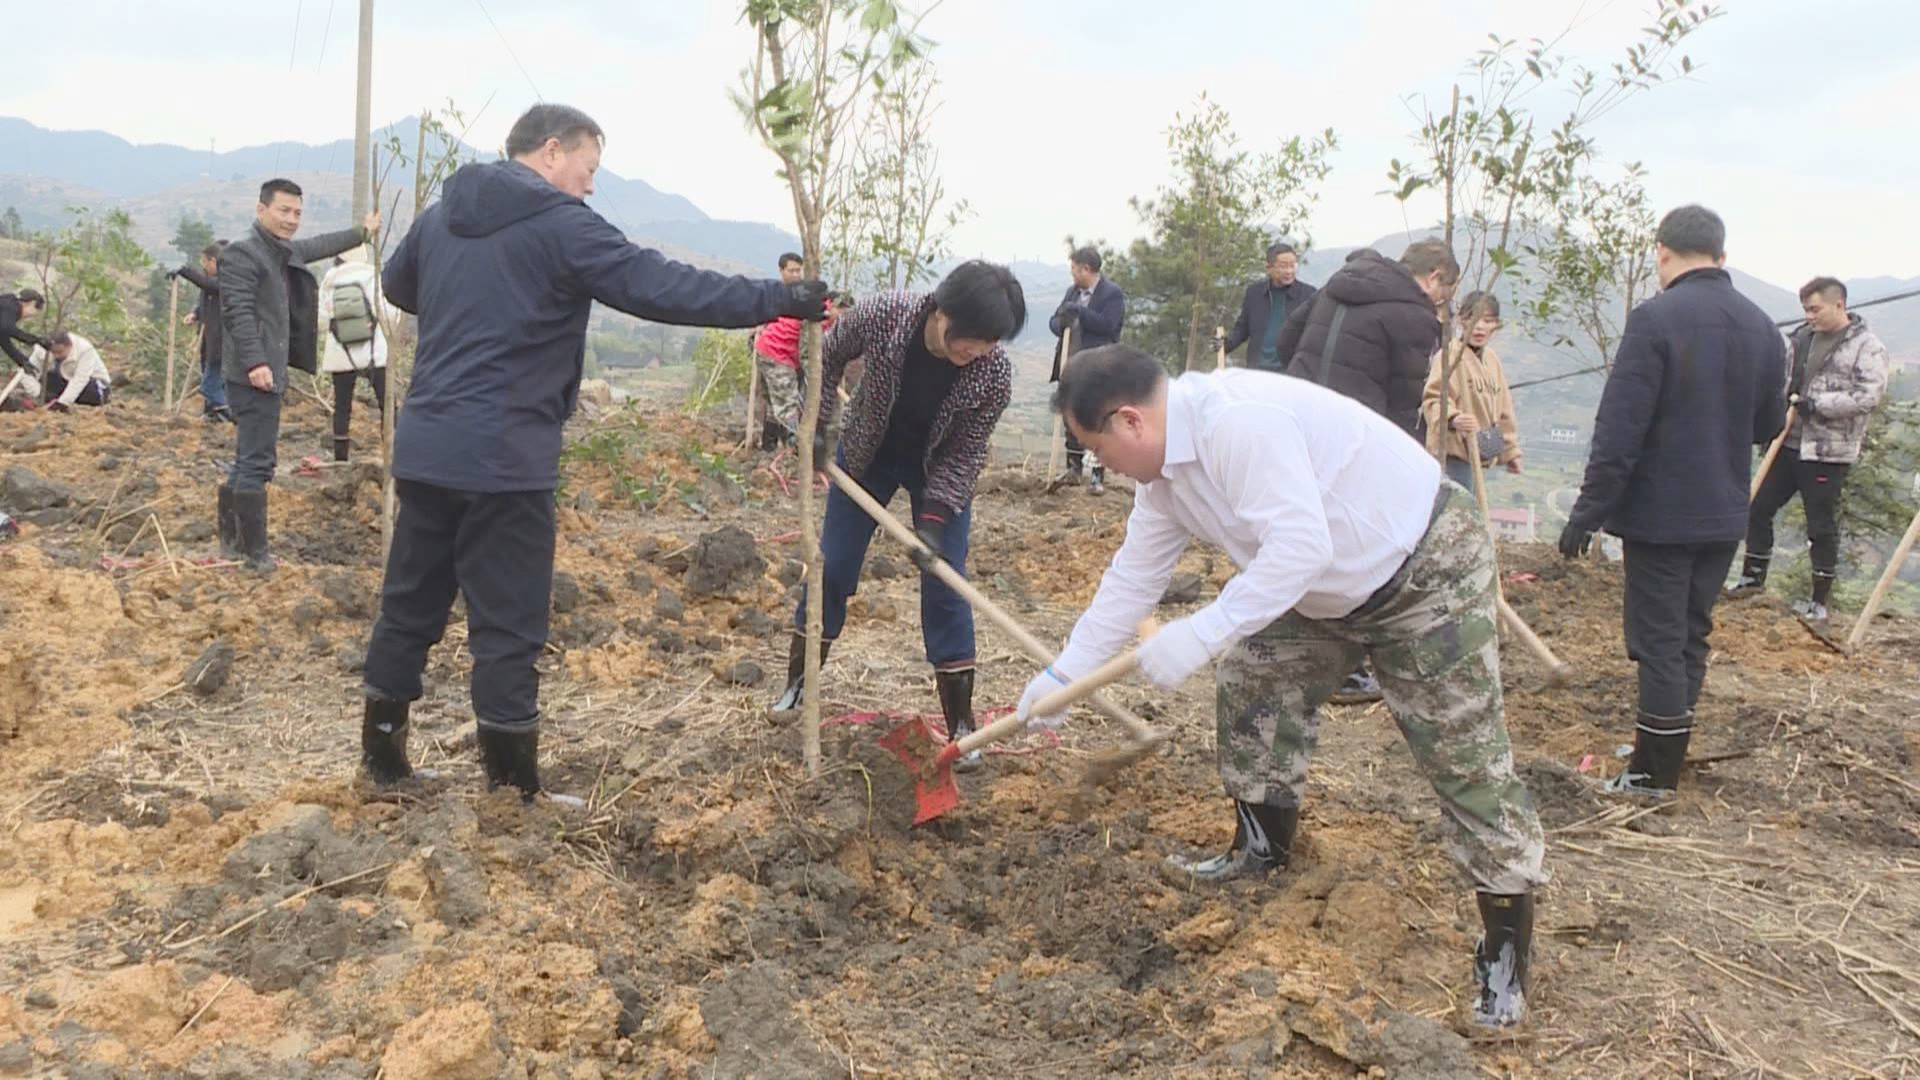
1382, 318
1371, 335
1695, 385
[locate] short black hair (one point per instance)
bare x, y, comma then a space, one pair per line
1423, 257
1693, 230
982, 302
1830, 287
62, 338
788, 257
212, 251
1279, 248
1103, 379
1088, 256
31, 296
1476, 302
277, 185
547, 121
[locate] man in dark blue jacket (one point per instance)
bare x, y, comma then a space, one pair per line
1094, 307
503, 272
1695, 386
1264, 310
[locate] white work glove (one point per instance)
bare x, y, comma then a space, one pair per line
1171, 656
1043, 684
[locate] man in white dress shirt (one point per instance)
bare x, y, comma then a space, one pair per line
1349, 543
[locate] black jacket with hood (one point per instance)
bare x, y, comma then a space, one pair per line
1388, 334
503, 272
10, 332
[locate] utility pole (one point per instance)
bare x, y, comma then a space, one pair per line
363, 118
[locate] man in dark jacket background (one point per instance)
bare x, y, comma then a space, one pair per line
1264, 310
503, 272
1372, 332
269, 304
1695, 386
1095, 308
1371, 335
14, 307
206, 315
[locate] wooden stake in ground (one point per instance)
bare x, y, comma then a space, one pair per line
1557, 669
173, 327
1058, 446
1880, 587
753, 391
1773, 450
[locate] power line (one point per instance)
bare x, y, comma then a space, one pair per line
537, 95
1908, 295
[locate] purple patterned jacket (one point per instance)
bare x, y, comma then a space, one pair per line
879, 329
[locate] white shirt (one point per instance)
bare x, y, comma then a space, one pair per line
1316, 498
81, 367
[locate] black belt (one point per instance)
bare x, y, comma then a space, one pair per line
1386, 592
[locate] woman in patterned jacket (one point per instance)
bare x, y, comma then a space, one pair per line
936, 382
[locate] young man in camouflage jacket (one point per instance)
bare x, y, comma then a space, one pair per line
1836, 374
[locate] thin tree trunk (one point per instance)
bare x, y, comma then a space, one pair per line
809, 527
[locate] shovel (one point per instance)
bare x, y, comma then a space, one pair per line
916, 750
1558, 673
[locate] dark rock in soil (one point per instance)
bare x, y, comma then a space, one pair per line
208, 673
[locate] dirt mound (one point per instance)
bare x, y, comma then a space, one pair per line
194, 884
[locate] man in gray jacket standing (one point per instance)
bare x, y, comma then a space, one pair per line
269, 306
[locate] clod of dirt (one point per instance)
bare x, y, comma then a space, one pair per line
725, 561
752, 621
349, 599
350, 658
23, 490
566, 592
791, 572
208, 673
459, 887
884, 567
750, 1015
31, 441
669, 606
586, 503
452, 1043
746, 673
1183, 589
306, 613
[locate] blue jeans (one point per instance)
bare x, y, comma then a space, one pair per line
946, 620
213, 386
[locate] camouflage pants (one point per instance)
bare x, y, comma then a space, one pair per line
1435, 650
779, 393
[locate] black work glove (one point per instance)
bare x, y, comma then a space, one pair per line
806, 300
1574, 541
932, 531
171, 274
1069, 313
823, 446
1804, 406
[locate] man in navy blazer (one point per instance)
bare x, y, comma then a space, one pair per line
1095, 308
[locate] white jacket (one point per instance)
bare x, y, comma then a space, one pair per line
81, 367
338, 357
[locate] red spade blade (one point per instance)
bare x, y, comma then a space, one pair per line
934, 792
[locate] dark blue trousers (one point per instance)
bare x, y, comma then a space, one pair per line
946, 620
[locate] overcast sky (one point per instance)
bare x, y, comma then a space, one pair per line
1798, 127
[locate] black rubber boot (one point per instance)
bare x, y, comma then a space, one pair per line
1753, 575
342, 447
1076, 462
1500, 960
1262, 838
512, 759
1098, 484
956, 704
789, 699
228, 523
1659, 749
383, 742
772, 434
250, 513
